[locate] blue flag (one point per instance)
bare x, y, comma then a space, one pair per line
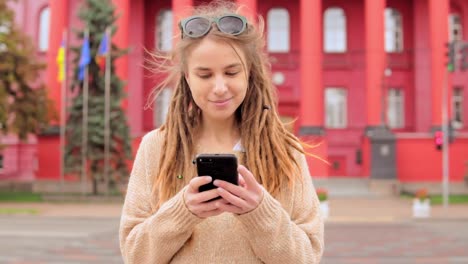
85, 58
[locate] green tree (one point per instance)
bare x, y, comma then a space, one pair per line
24, 106
96, 16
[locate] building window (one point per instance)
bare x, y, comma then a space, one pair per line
161, 106
455, 28
396, 109
336, 107
163, 38
278, 30
457, 108
393, 30
44, 26
334, 28
4, 30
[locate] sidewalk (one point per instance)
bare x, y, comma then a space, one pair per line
343, 209
387, 209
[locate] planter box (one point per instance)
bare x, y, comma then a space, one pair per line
421, 208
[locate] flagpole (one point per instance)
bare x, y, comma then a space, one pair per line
84, 142
63, 118
107, 81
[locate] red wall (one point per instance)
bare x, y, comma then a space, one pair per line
418, 160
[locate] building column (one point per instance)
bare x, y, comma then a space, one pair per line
375, 60
249, 8
121, 39
311, 106
311, 100
380, 144
58, 24
438, 26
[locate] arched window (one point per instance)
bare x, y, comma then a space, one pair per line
44, 26
455, 27
163, 38
334, 28
393, 30
278, 30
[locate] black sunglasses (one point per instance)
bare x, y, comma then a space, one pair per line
199, 26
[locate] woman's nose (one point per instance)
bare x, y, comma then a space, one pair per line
220, 85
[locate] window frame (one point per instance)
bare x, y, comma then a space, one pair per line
392, 104
161, 106
341, 32
340, 113
43, 37
397, 31
284, 34
160, 34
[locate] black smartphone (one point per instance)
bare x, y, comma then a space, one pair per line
218, 166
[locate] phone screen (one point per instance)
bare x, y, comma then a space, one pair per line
218, 166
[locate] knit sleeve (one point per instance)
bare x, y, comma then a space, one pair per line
147, 237
276, 236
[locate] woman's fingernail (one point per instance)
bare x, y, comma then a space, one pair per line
216, 182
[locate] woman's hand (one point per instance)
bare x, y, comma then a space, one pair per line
243, 198
196, 201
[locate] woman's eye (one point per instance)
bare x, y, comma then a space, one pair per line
205, 76
231, 73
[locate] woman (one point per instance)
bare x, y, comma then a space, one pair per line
222, 103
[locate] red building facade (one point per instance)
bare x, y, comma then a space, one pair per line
364, 78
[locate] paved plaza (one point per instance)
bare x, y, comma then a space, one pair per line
358, 231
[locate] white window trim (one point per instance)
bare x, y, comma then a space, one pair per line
392, 105
278, 31
394, 42
164, 27
336, 118
334, 39
161, 106
44, 29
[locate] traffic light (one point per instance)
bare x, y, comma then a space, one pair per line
464, 57
450, 56
439, 140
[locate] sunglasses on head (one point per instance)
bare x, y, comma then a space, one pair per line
199, 26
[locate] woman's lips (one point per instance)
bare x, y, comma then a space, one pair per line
221, 103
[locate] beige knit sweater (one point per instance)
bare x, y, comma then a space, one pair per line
284, 229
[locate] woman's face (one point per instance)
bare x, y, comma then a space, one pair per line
217, 78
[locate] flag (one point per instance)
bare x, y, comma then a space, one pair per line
102, 52
85, 58
61, 62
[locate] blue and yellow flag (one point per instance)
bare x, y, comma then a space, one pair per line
102, 52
